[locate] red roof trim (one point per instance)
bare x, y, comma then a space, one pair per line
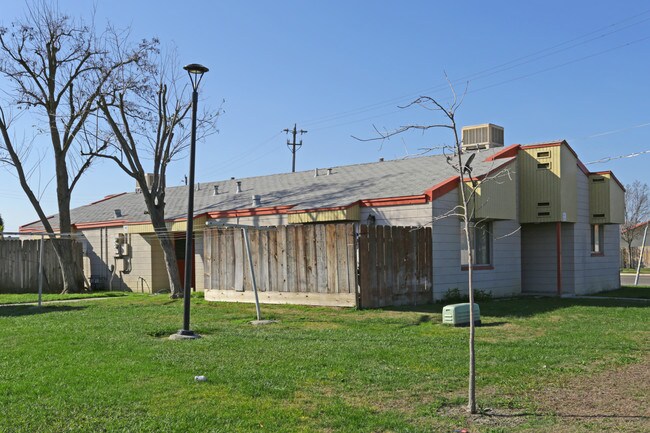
442, 188
108, 197
234, 213
613, 177
508, 152
394, 201
322, 209
99, 224
581, 165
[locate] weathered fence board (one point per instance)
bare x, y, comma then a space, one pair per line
394, 266
317, 264
19, 269
310, 261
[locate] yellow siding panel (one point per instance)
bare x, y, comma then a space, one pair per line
547, 182
494, 197
599, 203
349, 214
606, 200
539, 184
617, 203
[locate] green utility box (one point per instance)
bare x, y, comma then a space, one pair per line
458, 315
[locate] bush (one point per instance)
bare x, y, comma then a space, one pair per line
454, 296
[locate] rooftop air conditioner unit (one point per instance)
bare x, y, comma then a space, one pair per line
483, 136
458, 315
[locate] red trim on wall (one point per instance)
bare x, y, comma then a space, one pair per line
442, 188
507, 152
583, 168
613, 177
233, 213
394, 201
98, 224
321, 209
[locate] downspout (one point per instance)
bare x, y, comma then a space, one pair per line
558, 241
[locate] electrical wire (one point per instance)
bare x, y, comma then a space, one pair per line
519, 61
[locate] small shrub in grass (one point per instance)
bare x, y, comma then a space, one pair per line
454, 296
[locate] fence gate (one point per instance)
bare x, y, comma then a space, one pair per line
394, 266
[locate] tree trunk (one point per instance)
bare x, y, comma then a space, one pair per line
630, 257
64, 251
169, 253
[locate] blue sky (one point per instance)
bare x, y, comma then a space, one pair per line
543, 70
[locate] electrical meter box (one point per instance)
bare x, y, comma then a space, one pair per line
458, 314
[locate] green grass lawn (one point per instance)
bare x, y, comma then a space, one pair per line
23, 298
640, 292
108, 366
633, 271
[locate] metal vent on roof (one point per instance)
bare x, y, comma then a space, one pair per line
483, 136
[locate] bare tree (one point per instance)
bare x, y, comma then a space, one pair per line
637, 212
58, 68
146, 130
465, 210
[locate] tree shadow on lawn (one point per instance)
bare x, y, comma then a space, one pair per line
525, 306
29, 310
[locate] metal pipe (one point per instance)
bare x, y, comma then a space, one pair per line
638, 266
250, 265
40, 271
558, 242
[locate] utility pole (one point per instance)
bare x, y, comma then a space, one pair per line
292, 145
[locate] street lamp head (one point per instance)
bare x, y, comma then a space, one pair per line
195, 71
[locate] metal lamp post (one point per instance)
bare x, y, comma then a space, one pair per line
195, 71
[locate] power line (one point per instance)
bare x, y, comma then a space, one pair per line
611, 158
520, 61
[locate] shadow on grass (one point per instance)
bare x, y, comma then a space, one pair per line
526, 306
29, 310
563, 415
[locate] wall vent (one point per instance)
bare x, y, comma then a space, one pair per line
483, 136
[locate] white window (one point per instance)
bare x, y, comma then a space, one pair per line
597, 238
480, 234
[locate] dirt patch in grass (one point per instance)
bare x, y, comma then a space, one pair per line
616, 399
617, 396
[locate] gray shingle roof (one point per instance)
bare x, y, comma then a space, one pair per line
344, 186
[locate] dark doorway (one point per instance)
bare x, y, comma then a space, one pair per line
179, 247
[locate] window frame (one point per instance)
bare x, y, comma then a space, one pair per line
485, 246
597, 235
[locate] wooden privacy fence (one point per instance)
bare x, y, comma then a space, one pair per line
306, 264
395, 266
317, 264
19, 268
